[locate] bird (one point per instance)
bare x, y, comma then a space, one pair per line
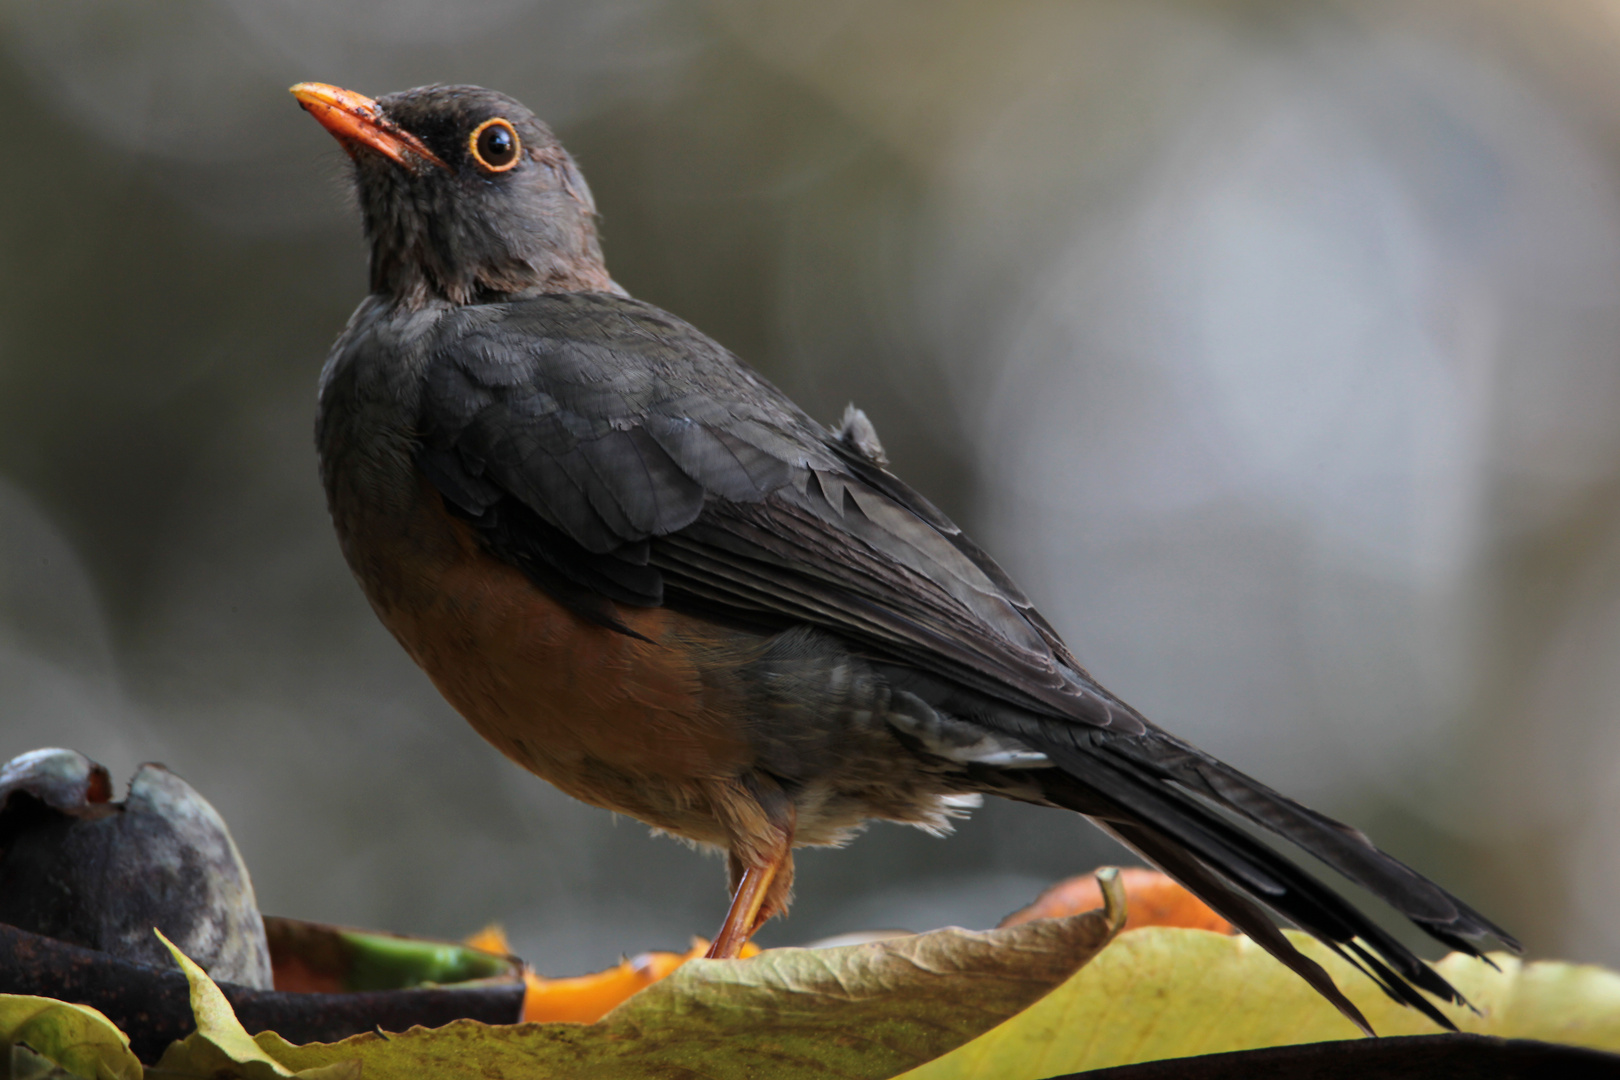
644, 574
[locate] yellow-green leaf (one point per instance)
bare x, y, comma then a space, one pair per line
867, 1011
221, 1046
1577, 1004
76, 1037
1163, 992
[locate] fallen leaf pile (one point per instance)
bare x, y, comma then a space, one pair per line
1040, 998
863, 1011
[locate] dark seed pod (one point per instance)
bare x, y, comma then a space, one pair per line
80, 868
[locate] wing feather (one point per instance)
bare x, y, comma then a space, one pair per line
645, 448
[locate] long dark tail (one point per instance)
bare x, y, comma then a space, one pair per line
1159, 796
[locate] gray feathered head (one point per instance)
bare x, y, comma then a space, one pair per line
465, 194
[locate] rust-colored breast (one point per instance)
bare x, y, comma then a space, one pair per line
604, 716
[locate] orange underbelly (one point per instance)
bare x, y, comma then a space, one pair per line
588, 708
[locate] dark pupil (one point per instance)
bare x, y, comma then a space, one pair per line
495, 145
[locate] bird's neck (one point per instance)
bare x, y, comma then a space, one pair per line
417, 284
418, 270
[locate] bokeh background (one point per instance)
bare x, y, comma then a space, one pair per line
1274, 346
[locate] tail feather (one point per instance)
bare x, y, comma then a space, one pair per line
1158, 801
1237, 910
1345, 849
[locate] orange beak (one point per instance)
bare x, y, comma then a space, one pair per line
355, 120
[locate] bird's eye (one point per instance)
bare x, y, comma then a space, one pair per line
494, 145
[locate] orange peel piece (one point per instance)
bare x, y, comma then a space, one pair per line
585, 999
491, 938
1151, 899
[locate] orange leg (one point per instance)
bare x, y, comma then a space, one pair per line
743, 918
760, 862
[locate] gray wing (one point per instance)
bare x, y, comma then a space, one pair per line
613, 451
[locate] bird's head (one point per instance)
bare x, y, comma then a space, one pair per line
466, 196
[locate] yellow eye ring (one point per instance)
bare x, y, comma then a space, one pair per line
495, 145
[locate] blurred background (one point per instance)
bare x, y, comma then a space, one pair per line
1274, 346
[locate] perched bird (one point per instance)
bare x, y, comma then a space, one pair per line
644, 574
